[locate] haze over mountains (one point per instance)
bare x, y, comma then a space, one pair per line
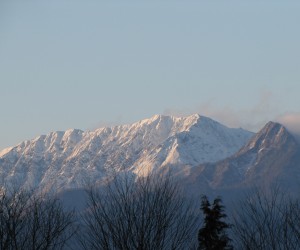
201, 151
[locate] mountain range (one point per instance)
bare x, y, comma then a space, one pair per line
202, 152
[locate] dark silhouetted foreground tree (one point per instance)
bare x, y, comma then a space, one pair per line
144, 213
213, 236
31, 221
267, 220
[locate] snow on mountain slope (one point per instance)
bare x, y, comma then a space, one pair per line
70, 159
272, 156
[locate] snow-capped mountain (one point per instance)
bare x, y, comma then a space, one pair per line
272, 156
68, 159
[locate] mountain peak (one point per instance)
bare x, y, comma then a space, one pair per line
165, 124
157, 117
186, 121
272, 127
273, 134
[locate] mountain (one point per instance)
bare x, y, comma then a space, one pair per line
69, 159
272, 156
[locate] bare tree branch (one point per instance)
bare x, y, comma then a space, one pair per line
267, 220
143, 213
33, 221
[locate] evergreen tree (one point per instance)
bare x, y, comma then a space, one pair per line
212, 236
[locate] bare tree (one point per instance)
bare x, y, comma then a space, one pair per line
33, 221
267, 220
146, 213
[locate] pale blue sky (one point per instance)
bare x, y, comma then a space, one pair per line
84, 63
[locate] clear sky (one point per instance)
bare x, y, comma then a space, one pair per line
88, 63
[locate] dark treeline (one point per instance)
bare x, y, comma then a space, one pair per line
147, 214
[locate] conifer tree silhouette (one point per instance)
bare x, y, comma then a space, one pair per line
212, 236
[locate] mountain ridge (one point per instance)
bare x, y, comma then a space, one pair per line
272, 156
66, 159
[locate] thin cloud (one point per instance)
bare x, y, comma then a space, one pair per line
291, 121
252, 119
104, 124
